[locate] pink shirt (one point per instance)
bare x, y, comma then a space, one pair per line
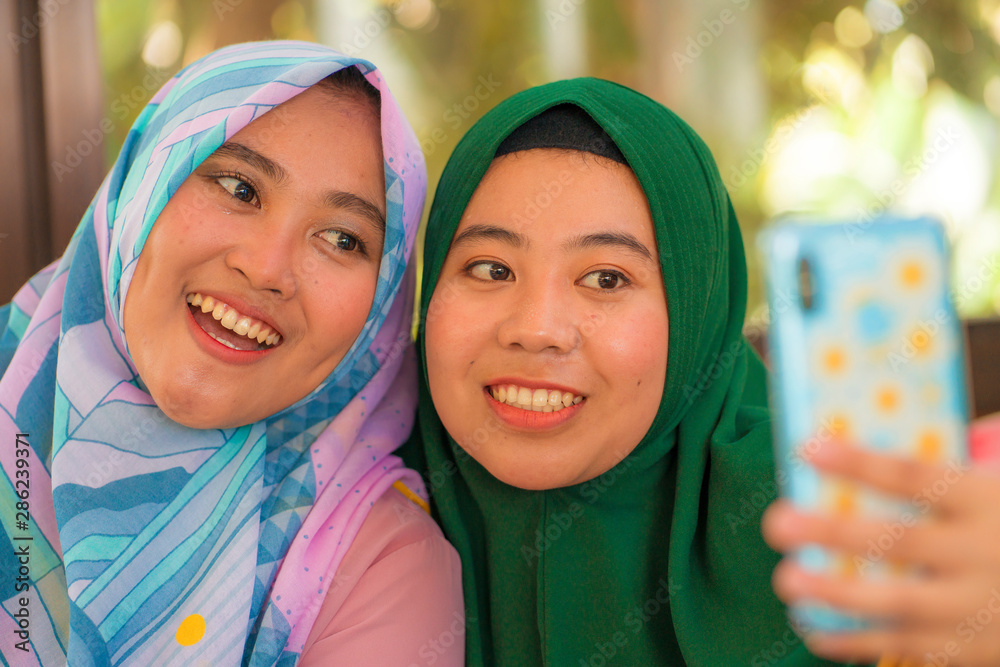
396, 598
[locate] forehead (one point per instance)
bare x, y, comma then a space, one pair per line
317, 108
321, 139
557, 192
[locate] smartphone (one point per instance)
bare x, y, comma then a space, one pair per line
864, 347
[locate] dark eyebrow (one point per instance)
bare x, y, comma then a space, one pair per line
349, 201
481, 232
336, 199
272, 169
621, 240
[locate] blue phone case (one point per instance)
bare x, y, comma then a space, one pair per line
866, 347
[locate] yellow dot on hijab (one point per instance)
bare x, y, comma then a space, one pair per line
191, 630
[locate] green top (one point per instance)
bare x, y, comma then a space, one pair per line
659, 561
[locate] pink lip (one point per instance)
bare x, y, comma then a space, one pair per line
534, 384
243, 307
529, 420
220, 351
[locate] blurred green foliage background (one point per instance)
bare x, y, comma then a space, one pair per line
837, 109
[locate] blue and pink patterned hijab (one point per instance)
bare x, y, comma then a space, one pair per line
141, 541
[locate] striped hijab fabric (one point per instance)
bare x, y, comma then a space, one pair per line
154, 543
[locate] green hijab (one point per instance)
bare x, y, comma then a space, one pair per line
660, 560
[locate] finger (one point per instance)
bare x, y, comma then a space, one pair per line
912, 648
773, 522
941, 546
929, 603
931, 485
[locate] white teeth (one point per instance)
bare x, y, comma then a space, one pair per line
243, 326
230, 318
536, 400
524, 396
539, 398
224, 342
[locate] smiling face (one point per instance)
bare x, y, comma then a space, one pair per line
546, 335
259, 273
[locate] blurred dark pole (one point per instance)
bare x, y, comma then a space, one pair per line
25, 241
51, 158
75, 130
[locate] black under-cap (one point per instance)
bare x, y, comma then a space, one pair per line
564, 126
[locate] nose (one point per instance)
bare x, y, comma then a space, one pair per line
265, 257
542, 319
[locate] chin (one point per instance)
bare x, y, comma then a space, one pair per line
190, 411
193, 419
531, 477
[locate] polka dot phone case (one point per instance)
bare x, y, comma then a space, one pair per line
865, 347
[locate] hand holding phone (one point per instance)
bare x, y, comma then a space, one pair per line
865, 348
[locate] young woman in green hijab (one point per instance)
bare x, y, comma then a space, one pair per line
592, 423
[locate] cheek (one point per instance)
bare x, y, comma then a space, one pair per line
149, 316
459, 327
457, 333
444, 320
637, 351
183, 237
337, 308
186, 220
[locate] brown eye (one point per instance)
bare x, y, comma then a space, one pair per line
347, 242
239, 189
490, 271
244, 192
341, 240
604, 280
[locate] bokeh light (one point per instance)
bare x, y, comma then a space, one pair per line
840, 110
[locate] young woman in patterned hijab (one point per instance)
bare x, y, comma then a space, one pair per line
212, 380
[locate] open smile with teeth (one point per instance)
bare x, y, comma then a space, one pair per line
537, 400
234, 321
